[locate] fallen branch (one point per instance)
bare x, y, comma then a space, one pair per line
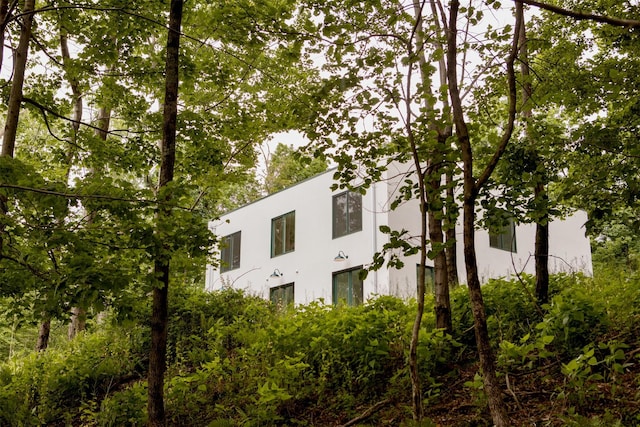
369, 412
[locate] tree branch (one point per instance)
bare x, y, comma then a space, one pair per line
87, 196
511, 83
583, 16
366, 414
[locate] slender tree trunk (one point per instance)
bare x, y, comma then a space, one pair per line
433, 176
19, 67
471, 187
442, 299
450, 233
43, 335
15, 96
414, 373
159, 315
77, 322
542, 248
541, 254
4, 14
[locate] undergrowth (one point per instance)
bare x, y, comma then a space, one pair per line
235, 359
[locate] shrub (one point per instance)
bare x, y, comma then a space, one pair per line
48, 388
574, 319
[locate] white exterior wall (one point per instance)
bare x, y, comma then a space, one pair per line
311, 265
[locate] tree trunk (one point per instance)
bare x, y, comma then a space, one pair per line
4, 14
159, 315
15, 96
441, 282
19, 67
450, 225
77, 323
471, 187
433, 176
78, 314
43, 335
542, 249
541, 254
414, 374
485, 353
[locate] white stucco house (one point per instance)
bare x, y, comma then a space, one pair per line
308, 242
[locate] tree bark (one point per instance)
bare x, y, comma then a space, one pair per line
450, 233
19, 67
15, 96
542, 249
4, 14
159, 315
441, 281
434, 173
43, 335
78, 322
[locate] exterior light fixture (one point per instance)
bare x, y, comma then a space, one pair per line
276, 273
341, 257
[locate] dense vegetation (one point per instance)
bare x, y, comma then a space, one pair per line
129, 125
235, 359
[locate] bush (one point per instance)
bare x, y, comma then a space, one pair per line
127, 407
574, 318
204, 324
48, 388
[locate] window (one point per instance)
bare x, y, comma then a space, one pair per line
347, 213
503, 237
282, 295
230, 253
347, 287
283, 233
429, 278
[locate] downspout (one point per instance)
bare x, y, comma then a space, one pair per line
374, 237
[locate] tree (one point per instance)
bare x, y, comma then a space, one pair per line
589, 75
384, 102
162, 256
287, 166
96, 237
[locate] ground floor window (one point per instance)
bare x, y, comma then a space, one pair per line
347, 287
429, 279
503, 236
282, 295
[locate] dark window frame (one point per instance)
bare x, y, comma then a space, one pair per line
504, 237
430, 278
281, 300
351, 300
349, 212
228, 248
288, 221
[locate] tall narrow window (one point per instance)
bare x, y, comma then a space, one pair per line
230, 252
347, 213
347, 287
282, 295
429, 278
503, 237
283, 234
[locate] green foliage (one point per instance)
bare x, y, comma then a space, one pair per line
236, 360
574, 318
288, 166
122, 408
265, 369
48, 388
511, 308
